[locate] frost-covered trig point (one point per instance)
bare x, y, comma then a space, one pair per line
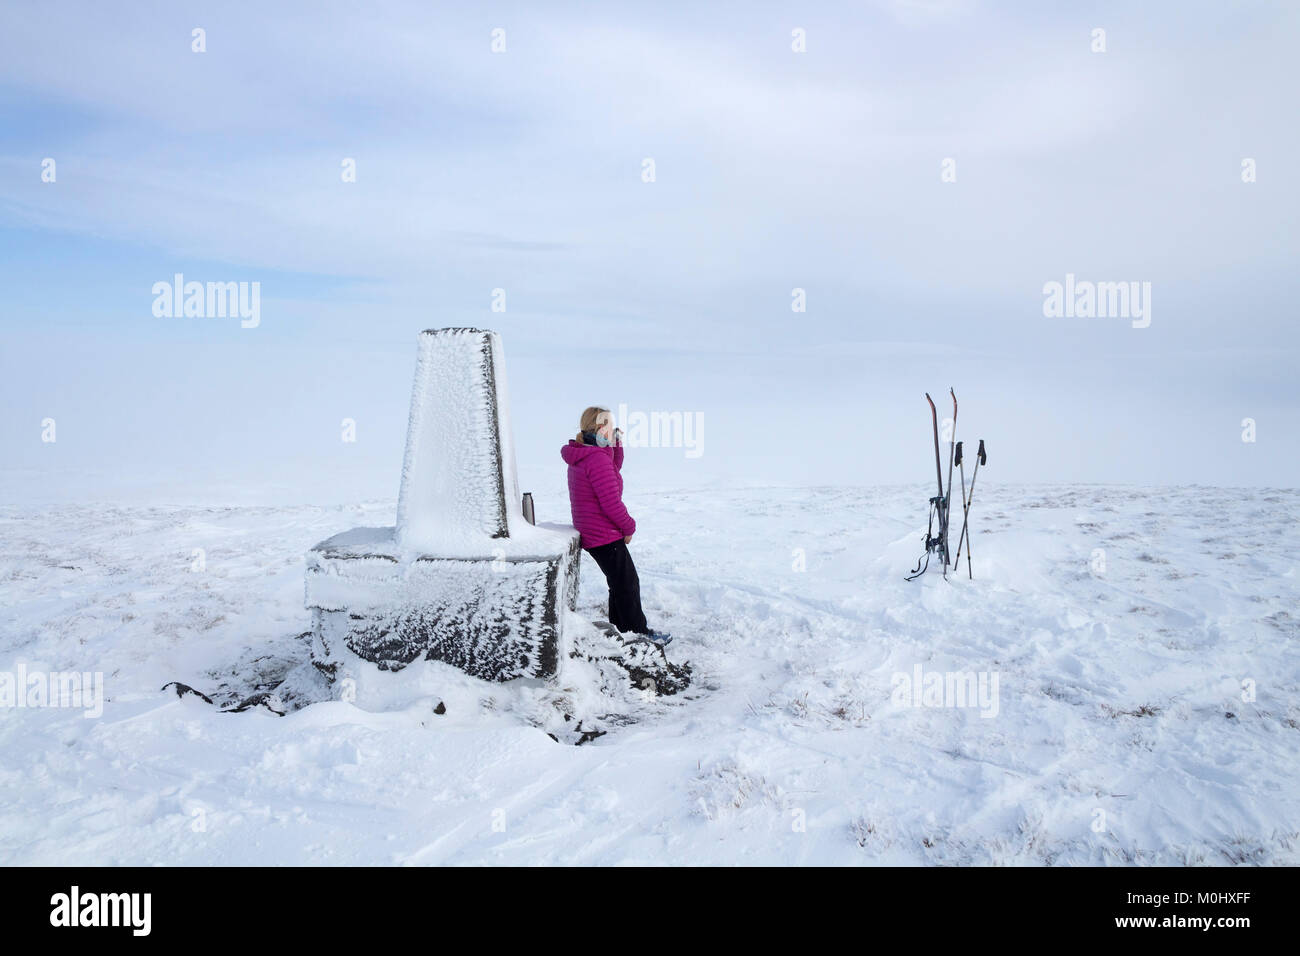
463, 578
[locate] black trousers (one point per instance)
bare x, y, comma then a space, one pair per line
625, 611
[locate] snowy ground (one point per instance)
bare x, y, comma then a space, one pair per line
1122, 731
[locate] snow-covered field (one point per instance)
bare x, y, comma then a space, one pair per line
1144, 644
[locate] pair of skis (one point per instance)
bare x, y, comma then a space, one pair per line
940, 504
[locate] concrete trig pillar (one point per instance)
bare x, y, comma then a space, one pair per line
462, 578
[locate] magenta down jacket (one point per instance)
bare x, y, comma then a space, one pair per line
596, 493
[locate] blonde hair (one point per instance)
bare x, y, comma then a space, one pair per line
590, 421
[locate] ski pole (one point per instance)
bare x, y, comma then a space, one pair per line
980, 458
965, 507
964, 536
947, 509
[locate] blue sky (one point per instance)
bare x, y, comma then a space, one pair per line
774, 170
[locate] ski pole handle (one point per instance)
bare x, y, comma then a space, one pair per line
983, 458
957, 460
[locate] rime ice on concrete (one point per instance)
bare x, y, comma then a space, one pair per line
458, 478
463, 578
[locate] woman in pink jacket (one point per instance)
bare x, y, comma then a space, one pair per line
595, 460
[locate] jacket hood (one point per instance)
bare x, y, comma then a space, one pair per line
572, 453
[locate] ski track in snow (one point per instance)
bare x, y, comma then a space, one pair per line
1120, 693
